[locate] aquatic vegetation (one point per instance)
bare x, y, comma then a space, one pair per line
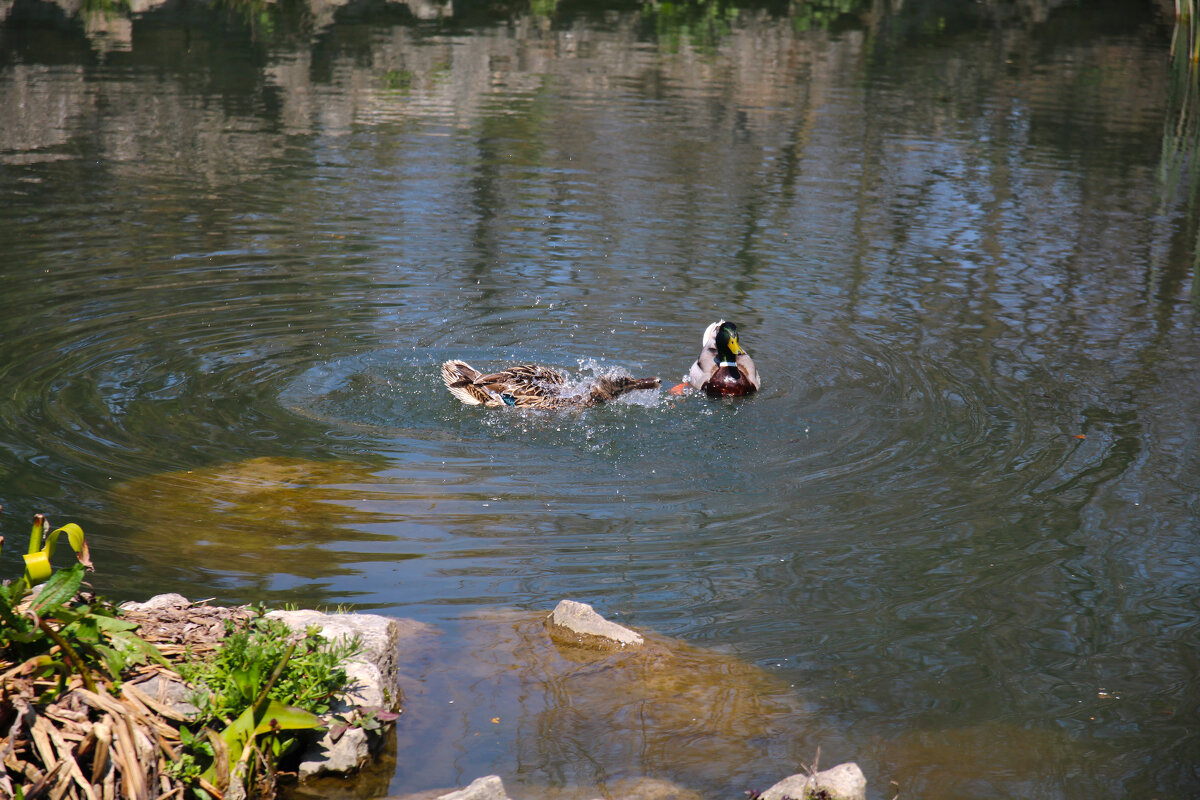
41, 548
1178, 164
826, 14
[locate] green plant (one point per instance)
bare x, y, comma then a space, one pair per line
372, 720
41, 549
262, 686
57, 632
248, 749
195, 752
233, 678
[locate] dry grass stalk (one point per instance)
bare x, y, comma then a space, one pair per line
42, 786
101, 763
64, 752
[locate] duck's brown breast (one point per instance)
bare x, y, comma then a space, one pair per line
728, 382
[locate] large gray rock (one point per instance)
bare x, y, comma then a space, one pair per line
374, 684
380, 637
578, 624
843, 782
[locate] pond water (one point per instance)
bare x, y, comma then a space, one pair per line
955, 534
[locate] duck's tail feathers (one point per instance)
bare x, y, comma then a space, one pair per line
459, 377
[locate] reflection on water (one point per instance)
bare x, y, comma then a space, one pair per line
959, 239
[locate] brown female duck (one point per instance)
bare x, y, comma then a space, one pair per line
531, 386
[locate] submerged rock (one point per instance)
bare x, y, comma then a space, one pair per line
487, 788
843, 782
492, 788
272, 514
578, 624
504, 697
651, 789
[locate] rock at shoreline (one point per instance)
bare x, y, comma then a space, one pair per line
374, 687
843, 782
177, 625
578, 624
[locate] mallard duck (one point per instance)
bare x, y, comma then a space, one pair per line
531, 386
724, 368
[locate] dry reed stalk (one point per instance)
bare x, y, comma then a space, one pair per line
221, 764
43, 785
147, 755
41, 744
65, 753
23, 769
102, 761
109, 787
86, 744
144, 715
101, 702
126, 760
62, 787
208, 787
24, 712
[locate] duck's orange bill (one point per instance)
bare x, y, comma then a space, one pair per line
679, 388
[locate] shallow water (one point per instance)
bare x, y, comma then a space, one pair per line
958, 522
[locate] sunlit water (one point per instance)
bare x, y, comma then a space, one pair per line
956, 530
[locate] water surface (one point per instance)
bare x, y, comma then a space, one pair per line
959, 522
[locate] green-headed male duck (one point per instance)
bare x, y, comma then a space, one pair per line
724, 368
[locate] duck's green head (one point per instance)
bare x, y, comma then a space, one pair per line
727, 341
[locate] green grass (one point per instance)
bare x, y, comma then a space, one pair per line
228, 683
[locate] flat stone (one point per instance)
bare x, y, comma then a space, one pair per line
174, 694
159, 602
486, 788
843, 782
578, 624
